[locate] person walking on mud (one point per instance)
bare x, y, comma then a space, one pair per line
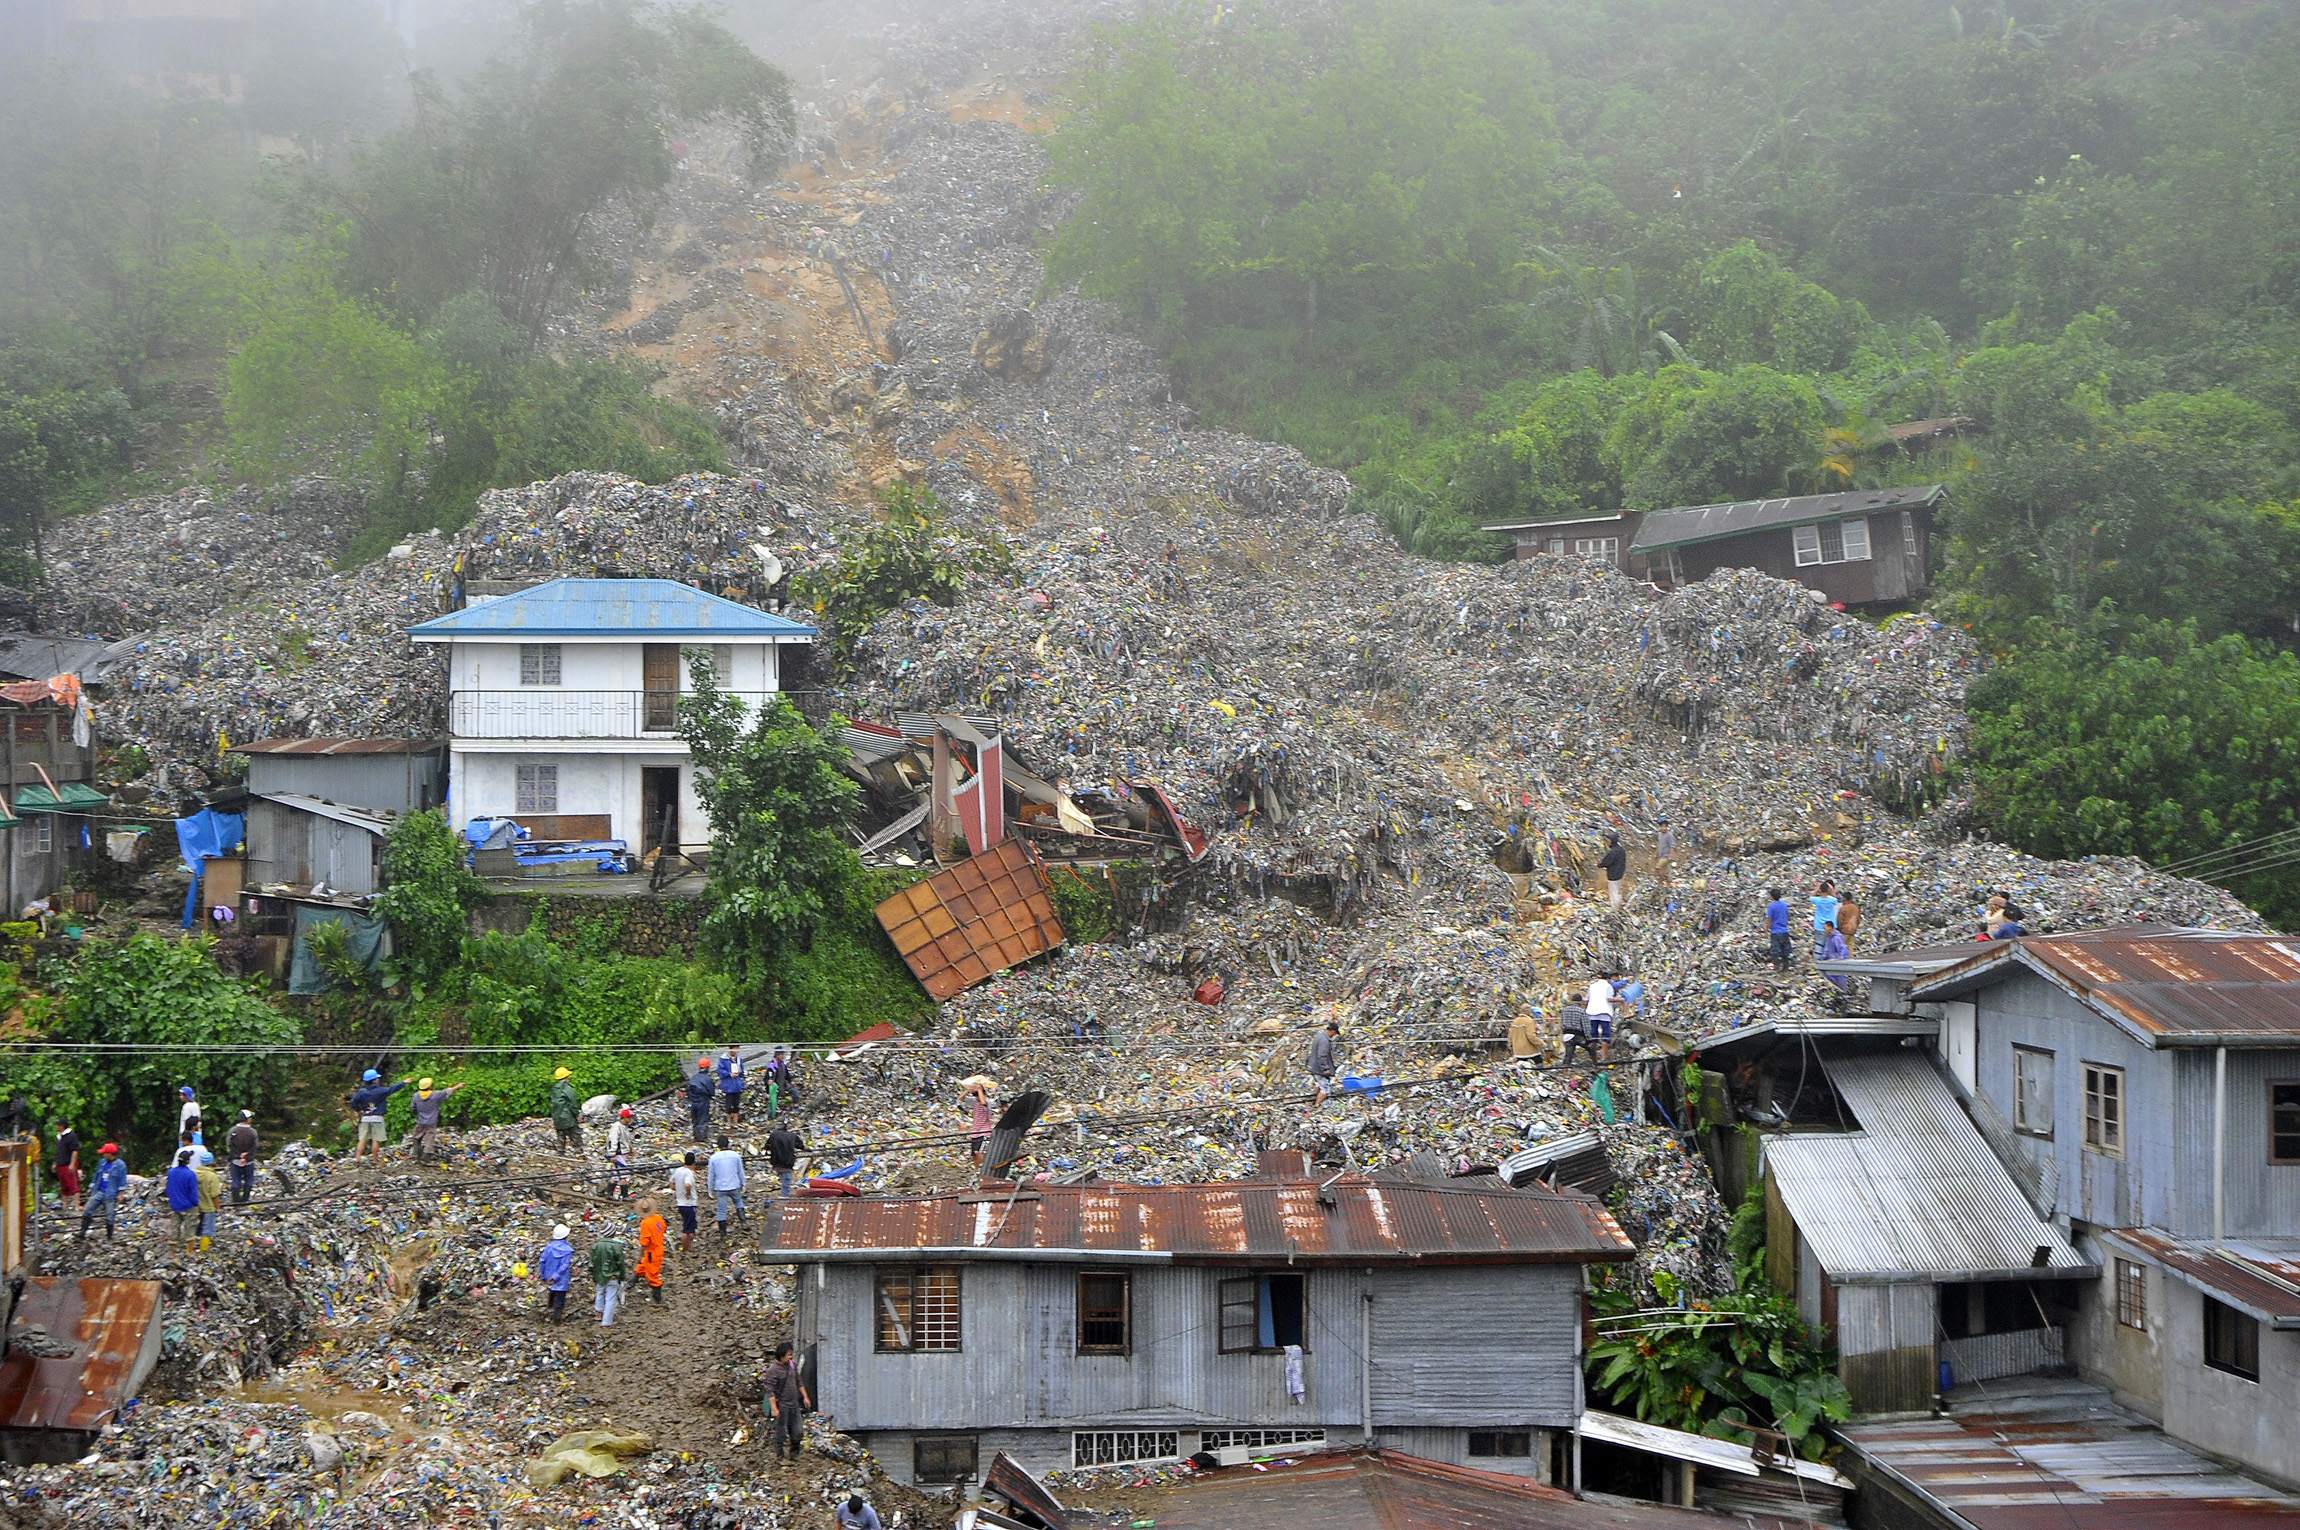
702, 1089
787, 1402
555, 1267
610, 1269
651, 1239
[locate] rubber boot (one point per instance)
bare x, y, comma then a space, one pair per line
206, 1243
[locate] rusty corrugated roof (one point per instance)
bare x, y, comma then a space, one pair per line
2262, 1278
2043, 1454
2167, 987
337, 746
974, 921
109, 1324
1354, 1221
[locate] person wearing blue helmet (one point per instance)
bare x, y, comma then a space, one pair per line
368, 1100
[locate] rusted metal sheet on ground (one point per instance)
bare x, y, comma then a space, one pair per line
1020, 1490
974, 921
112, 1329
1351, 1220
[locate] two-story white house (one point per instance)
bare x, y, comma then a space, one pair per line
563, 700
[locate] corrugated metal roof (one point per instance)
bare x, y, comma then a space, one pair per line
328, 746
1707, 523
1915, 1194
2165, 987
1388, 1490
1911, 962
68, 797
1615, 519
2041, 1454
1721, 1455
1820, 1028
657, 609
1354, 1221
109, 1326
2259, 1276
358, 817
984, 915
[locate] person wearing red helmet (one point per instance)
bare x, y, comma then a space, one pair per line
104, 1194
619, 1149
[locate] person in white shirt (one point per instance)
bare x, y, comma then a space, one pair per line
1600, 1007
683, 1197
724, 1178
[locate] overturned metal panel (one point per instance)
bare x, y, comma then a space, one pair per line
1577, 1160
1025, 1497
972, 922
109, 1338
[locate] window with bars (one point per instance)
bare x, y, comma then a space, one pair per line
2032, 1091
918, 1309
1487, 1443
1262, 1314
2231, 1340
1258, 1439
2104, 1110
2132, 1294
1105, 1307
2284, 1121
1124, 1447
538, 663
1845, 541
944, 1458
536, 789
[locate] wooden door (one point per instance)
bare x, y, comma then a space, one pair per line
660, 670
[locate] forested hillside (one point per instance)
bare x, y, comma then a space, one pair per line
1510, 263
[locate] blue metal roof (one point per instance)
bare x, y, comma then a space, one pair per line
651, 608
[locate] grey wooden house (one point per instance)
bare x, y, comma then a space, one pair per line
2143, 1086
1103, 1324
319, 808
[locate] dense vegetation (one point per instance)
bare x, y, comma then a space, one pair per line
1511, 263
364, 262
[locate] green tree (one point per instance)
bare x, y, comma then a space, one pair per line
58, 433
1552, 463
1696, 437
1751, 308
2144, 739
427, 896
910, 555
164, 997
777, 795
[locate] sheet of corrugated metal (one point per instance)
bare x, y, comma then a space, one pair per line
1915, 1194
114, 1341
979, 918
2170, 987
336, 746
1988, 1356
1885, 1345
1353, 1220
2258, 1277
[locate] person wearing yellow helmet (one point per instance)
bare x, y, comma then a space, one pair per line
426, 1107
566, 1112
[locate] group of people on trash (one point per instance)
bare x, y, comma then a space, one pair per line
195, 1191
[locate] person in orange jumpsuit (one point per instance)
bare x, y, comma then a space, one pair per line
651, 1232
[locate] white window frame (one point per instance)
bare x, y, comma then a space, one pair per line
540, 664
534, 788
1909, 537
1259, 1439
2104, 1117
1810, 549
2024, 1119
1605, 550
1123, 1447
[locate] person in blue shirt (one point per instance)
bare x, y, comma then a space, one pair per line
1824, 913
1833, 950
184, 1198
104, 1193
702, 1088
731, 1083
368, 1100
1777, 928
555, 1267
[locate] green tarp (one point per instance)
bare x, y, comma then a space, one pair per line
71, 797
365, 939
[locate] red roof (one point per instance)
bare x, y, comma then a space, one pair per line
2168, 987
2256, 1277
1352, 1221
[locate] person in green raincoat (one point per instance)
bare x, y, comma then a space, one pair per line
566, 1112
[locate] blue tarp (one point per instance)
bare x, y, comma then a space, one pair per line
363, 938
203, 837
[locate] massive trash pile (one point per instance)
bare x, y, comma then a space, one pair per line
1405, 771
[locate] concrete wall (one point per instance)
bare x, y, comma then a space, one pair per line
585, 666
1455, 1347
2251, 1422
2128, 1361
485, 784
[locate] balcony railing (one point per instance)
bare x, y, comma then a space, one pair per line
551, 712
